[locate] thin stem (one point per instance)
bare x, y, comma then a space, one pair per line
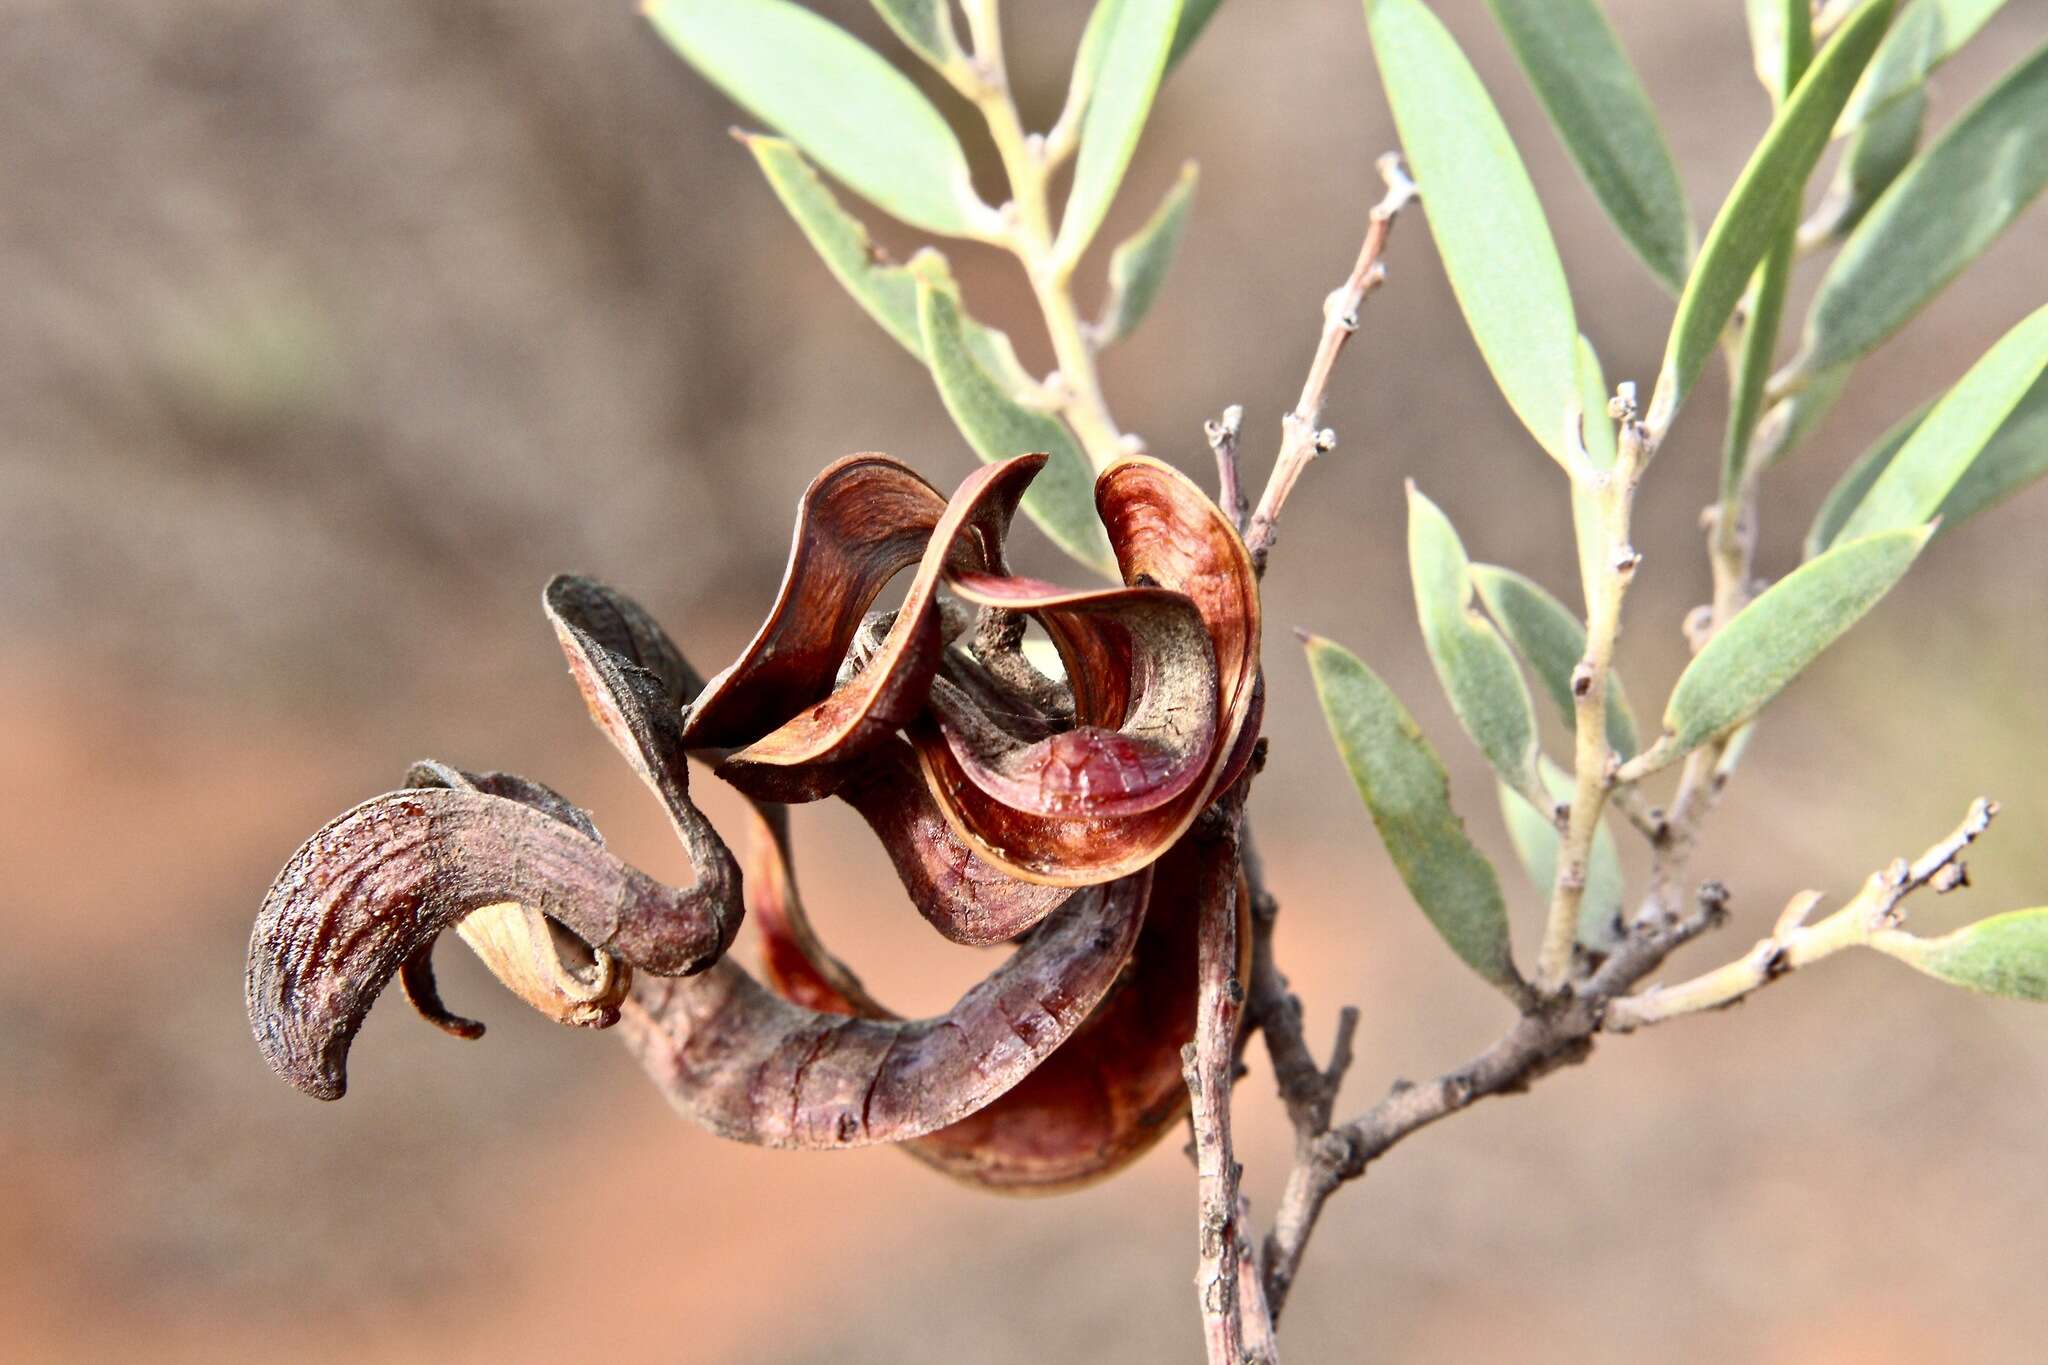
1594, 764
1559, 1033
1222, 434
1794, 944
1208, 1064
1301, 440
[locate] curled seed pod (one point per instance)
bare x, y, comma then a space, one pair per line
1105, 1097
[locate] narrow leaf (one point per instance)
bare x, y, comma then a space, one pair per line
1409, 797
887, 291
848, 108
1475, 665
1753, 214
1767, 32
1848, 494
1598, 107
2013, 458
1533, 832
2005, 955
1770, 641
1194, 17
1918, 479
925, 26
1126, 77
1484, 214
1927, 33
1138, 266
1766, 305
1878, 152
1551, 641
1062, 498
1942, 211
1759, 348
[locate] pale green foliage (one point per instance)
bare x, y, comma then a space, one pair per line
1773, 639
2005, 955
1534, 834
1878, 152
1551, 641
1596, 430
1126, 77
1925, 34
1062, 498
1474, 664
1137, 268
851, 111
1600, 111
888, 292
925, 26
2015, 456
1483, 212
1918, 478
1409, 797
1946, 206
1752, 217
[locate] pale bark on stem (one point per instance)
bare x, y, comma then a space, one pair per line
1594, 762
1301, 440
1209, 1064
1222, 434
1873, 911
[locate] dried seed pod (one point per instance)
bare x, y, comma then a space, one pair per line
966, 899
379, 883
1105, 1097
862, 520
1168, 536
889, 692
554, 972
754, 1067
1132, 750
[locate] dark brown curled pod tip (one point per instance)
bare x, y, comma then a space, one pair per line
376, 885
966, 899
751, 1066
629, 674
1105, 1096
625, 629
423, 992
890, 690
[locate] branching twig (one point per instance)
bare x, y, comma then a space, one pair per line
1301, 439
1559, 1032
1794, 944
1222, 434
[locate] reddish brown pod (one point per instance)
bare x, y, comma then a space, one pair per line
1055, 814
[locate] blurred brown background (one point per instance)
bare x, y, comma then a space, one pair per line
332, 329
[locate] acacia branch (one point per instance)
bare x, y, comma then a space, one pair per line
1794, 944
1556, 1032
1594, 763
1301, 440
1028, 235
1209, 1064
